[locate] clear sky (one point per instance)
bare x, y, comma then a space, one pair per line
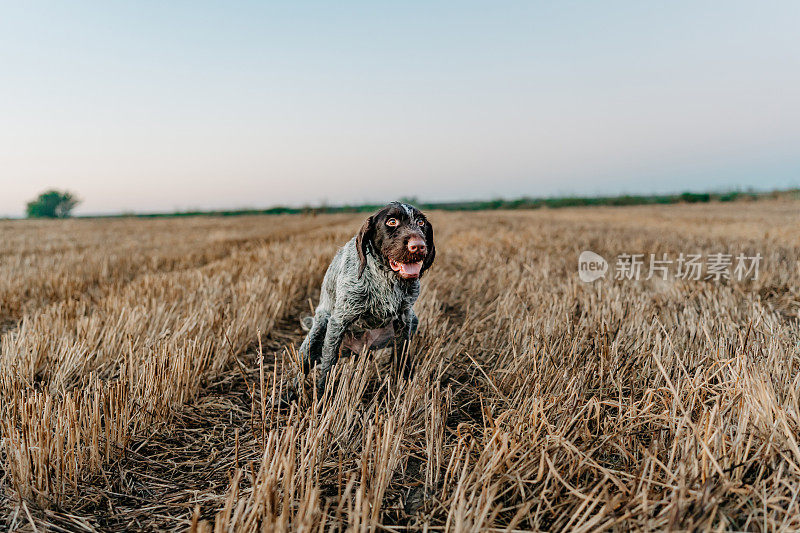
163, 105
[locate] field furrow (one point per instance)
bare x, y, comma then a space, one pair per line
141, 398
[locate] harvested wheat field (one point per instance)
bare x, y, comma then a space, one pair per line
140, 359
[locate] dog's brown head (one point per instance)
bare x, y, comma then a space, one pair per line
400, 237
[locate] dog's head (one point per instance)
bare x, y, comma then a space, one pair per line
401, 239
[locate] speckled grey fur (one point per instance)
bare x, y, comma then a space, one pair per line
376, 299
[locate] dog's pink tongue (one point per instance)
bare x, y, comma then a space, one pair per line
410, 269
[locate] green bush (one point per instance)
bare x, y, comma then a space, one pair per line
692, 198
52, 204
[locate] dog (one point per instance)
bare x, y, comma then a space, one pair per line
369, 290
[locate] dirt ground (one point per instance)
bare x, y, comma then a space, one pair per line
139, 360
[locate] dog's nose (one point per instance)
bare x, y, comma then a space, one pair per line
416, 245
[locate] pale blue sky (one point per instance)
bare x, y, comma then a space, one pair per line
152, 106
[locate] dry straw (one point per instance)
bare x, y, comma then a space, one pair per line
140, 360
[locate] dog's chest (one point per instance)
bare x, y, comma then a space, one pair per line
383, 303
374, 327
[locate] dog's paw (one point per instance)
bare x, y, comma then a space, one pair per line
286, 399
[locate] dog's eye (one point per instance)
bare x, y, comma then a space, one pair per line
391, 222
420, 222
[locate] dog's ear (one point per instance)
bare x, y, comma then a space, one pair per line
426, 264
364, 237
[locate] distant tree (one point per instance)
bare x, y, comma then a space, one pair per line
692, 198
52, 204
413, 200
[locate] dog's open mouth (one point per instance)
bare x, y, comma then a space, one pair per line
406, 270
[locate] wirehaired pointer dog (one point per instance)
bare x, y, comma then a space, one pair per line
368, 293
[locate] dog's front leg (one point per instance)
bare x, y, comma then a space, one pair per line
310, 352
405, 328
406, 324
311, 349
337, 325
